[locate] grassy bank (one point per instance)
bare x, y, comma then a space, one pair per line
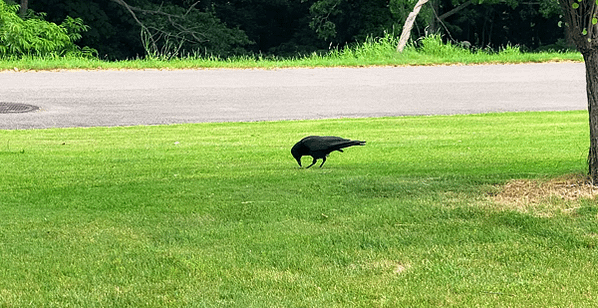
380, 51
219, 215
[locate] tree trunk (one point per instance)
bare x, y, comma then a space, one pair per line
432, 22
409, 24
24, 7
591, 62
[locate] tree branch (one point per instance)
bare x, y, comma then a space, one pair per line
455, 10
152, 35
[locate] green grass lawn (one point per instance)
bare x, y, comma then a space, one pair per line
219, 215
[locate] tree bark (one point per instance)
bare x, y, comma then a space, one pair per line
591, 62
24, 7
432, 22
409, 24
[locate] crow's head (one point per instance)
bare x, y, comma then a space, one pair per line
297, 152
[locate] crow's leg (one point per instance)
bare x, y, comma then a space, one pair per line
313, 162
323, 161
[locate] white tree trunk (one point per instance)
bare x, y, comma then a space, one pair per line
408, 25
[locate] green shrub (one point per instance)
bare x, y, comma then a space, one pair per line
37, 37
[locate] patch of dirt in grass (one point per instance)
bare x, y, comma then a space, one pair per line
543, 197
383, 266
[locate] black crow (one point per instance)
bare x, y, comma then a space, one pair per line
320, 146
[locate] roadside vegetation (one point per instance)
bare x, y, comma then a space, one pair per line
218, 215
32, 43
373, 52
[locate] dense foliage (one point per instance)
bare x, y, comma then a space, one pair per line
121, 29
36, 37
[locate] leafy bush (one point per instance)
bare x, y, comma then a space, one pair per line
37, 37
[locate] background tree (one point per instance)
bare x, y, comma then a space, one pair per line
581, 17
529, 24
170, 30
295, 27
275, 27
38, 37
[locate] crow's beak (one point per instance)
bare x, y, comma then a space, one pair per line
299, 161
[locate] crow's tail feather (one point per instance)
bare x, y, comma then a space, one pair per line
349, 143
355, 142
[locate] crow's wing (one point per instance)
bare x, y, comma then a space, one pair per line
318, 143
328, 143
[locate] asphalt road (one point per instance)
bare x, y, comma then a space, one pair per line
149, 97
